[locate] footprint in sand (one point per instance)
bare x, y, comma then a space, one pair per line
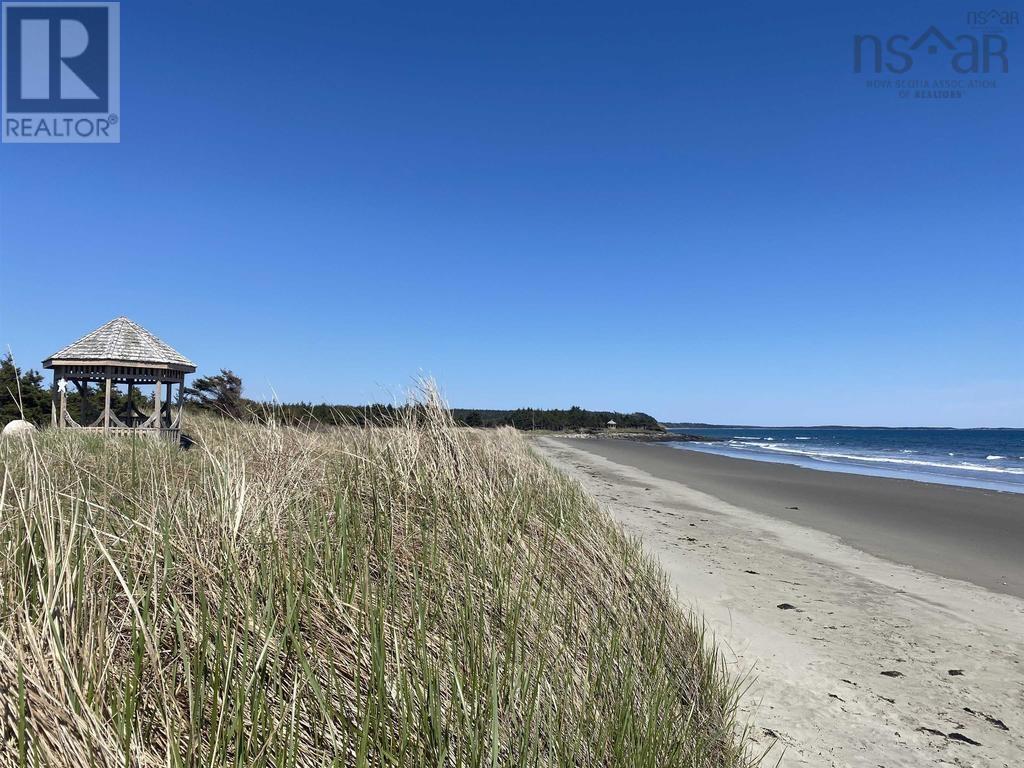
954, 736
992, 720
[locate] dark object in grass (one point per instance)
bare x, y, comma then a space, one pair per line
185, 441
892, 673
786, 607
956, 672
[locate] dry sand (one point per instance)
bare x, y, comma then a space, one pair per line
849, 655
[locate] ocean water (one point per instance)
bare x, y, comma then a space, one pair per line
982, 458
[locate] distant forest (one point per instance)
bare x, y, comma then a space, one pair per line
571, 419
574, 418
223, 393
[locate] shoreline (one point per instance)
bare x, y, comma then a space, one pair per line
958, 532
852, 659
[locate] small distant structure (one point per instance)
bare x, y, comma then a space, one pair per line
611, 424
121, 352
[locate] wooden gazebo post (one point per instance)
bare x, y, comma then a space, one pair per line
106, 405
157, 408
53, 401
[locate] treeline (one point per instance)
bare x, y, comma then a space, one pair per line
24, 395
572, 419
223, 394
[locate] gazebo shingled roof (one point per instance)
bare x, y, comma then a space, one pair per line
123, 341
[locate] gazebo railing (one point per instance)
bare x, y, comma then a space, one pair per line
172, 433
132, 424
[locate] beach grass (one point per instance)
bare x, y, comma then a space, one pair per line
408, 595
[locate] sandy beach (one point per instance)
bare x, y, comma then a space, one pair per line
880, 622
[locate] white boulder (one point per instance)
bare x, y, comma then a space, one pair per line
18, 427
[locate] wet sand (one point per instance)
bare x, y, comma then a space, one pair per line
962, 533
860, 619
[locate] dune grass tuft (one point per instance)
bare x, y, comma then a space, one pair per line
411, 595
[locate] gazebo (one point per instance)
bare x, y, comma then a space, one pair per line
120, 352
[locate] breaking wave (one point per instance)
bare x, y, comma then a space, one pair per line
874, 459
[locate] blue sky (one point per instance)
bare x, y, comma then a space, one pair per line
695, 211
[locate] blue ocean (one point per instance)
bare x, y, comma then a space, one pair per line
981, 458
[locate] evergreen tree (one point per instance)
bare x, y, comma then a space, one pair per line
221, 393
22, 395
